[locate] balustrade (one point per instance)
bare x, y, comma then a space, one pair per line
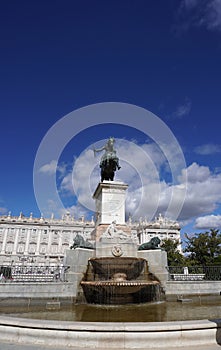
194, 273
20, 273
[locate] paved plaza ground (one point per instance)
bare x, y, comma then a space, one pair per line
10, 346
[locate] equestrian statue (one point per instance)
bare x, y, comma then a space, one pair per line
109, 162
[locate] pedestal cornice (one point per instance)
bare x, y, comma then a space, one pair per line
115, 185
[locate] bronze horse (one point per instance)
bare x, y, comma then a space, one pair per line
108, 168
109, 161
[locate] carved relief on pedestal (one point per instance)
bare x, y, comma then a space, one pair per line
117, 250
113, 232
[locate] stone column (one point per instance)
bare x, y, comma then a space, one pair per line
4, 240
27, 242
60, 243
14, 251
49, 242
38, 242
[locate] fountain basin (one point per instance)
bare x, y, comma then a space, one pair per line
113, 292
106, 267
121, 280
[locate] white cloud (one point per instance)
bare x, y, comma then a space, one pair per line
76, 210
203, 191
183, 109
49, 168
66, 184
3, 210
206, 13
189, 4
82, 180
212, 17
178, 111
195, 173
208, 222
53, 167
202, 195
208, 149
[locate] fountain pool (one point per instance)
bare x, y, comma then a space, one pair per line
199, 308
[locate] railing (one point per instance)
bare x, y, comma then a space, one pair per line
18, 273
194, 273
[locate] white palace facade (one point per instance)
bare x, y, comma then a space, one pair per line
160, 227
40, 241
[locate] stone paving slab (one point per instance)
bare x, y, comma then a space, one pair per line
14, 346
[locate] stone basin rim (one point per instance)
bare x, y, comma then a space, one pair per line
119, 283
114, 335
107, 326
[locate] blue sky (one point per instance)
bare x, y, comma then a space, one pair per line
163, 56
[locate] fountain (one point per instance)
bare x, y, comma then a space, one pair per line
115, 272
123, 280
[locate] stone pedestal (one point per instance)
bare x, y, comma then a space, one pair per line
110, 202
157, 262
77, 260
116, 247
112, 235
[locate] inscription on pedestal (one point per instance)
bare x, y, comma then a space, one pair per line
113, 205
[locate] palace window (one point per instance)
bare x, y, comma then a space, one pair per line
32, 248
21, 248
43, 248
9, 248
54, 248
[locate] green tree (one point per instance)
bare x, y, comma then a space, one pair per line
174, 257
204, 248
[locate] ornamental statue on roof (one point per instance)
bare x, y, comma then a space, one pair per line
109, 162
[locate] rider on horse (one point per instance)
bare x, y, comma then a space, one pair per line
109, 156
